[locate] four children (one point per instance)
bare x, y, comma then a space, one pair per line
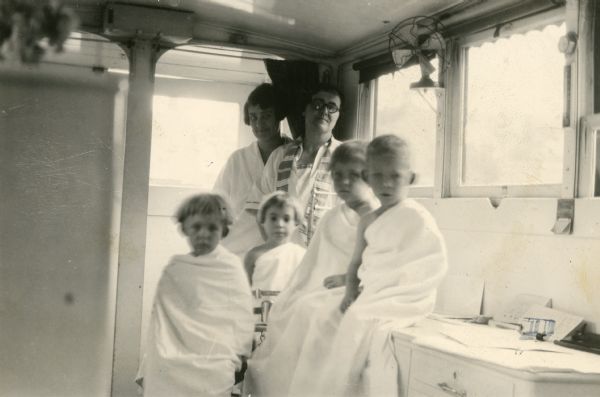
391, 278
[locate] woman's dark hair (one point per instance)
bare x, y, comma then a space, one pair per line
325, 87
264, 96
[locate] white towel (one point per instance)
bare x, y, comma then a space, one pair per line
329, 253
274, 268
201, 326
402, 265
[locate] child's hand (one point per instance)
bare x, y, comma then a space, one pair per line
349, 298
334, 281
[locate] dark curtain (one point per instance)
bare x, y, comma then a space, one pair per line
380, 65
293, 81
372, 68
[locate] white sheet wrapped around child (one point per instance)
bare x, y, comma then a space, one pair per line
201, 326
274, 268
403, 263
329, 253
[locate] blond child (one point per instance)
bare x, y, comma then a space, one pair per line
270, 265
202, 324
399, 260
389, 174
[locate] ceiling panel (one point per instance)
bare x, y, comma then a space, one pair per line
327, 26
333, 25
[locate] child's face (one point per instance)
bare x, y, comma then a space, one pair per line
279, 223
389, 177
349, 183
203, 232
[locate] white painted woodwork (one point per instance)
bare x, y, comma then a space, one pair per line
61, 162
316, 28
434, 365
438, 374
514, 250
130, 281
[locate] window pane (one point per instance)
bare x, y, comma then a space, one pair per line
410, 114
513, 117
191, 140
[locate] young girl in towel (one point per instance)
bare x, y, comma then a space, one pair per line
399, 260
270, 265
202, 323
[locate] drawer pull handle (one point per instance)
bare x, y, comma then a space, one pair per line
450, 390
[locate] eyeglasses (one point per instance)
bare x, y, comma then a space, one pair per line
319, 104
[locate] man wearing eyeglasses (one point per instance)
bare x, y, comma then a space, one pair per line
300, 168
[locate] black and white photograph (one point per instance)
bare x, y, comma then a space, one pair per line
299, 198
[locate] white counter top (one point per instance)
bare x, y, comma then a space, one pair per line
502, 349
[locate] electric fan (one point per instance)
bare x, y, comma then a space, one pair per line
418, 40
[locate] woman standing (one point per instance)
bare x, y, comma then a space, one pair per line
263, 113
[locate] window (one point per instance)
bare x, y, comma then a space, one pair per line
191, 140
412, 115
511, 136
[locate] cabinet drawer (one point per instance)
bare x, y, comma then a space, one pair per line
439, 375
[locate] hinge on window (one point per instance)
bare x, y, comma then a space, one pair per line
565, 214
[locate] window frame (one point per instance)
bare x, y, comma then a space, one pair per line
589, 156
456, 86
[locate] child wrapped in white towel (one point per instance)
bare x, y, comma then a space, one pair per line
202, 324
271, 265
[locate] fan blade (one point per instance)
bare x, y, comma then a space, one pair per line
401, 57
434, 42
426, 67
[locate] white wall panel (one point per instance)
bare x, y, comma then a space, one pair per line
514, 251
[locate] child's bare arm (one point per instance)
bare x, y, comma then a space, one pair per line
351, 275
334, 281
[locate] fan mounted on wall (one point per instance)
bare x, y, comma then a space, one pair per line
418, 40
